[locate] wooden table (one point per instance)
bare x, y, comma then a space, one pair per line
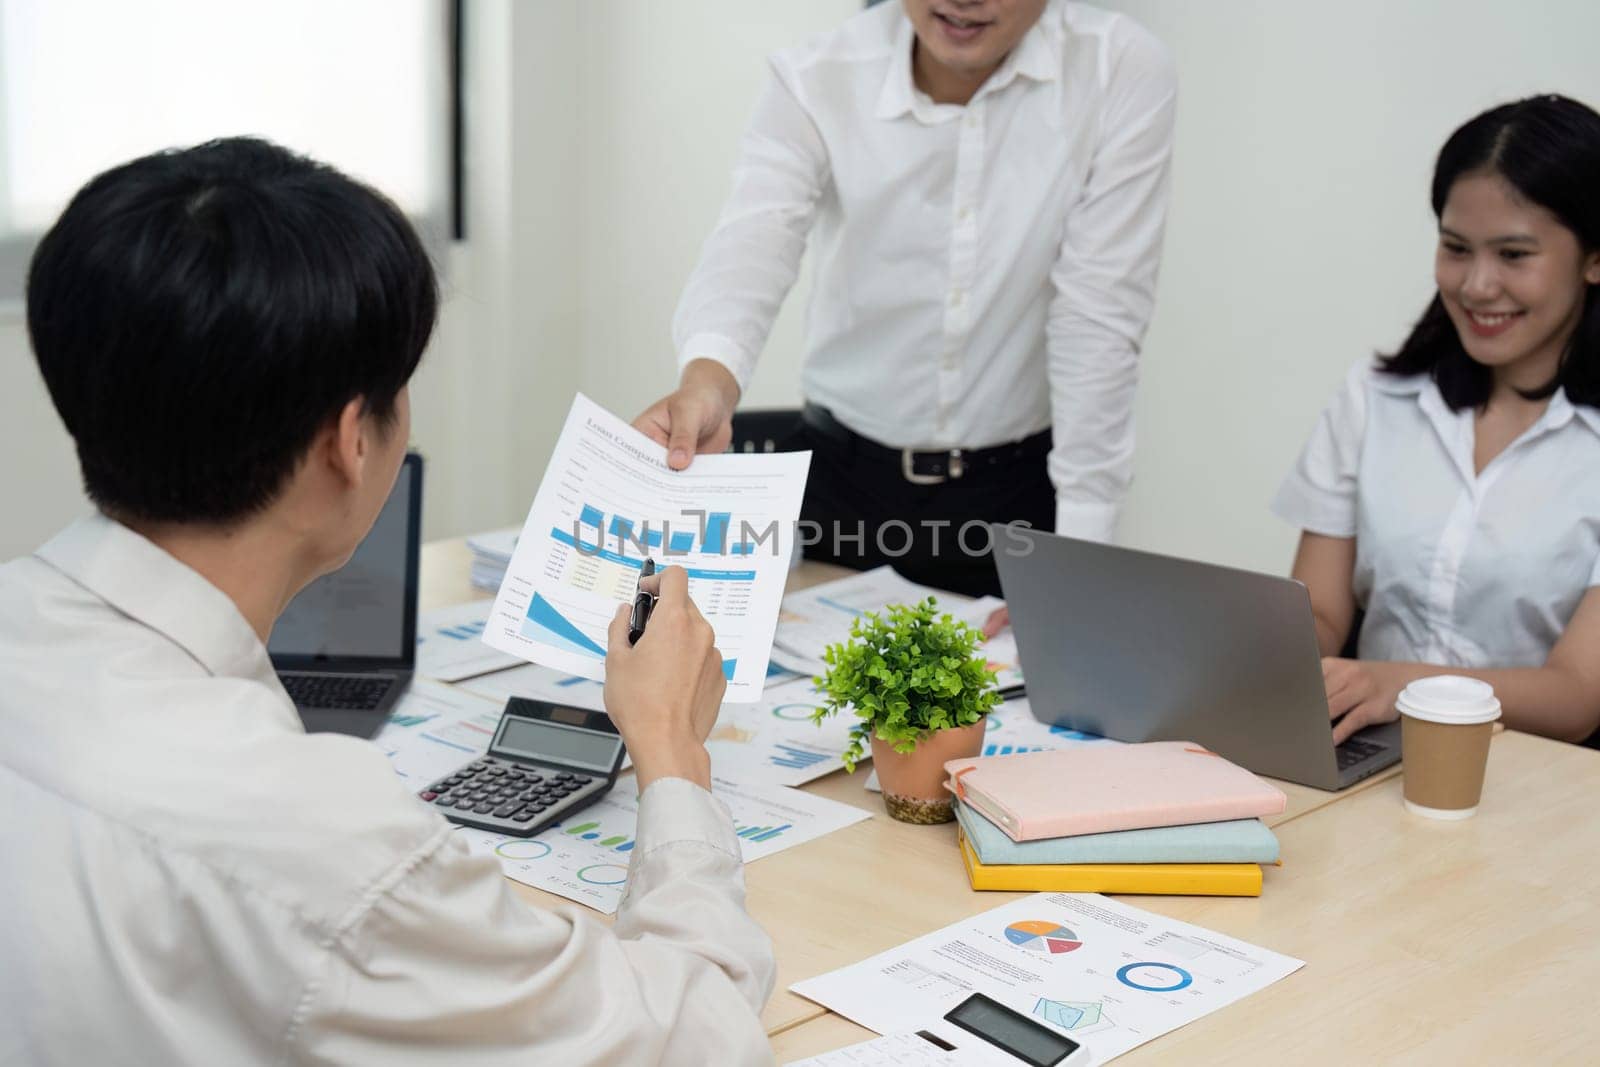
1439, 942
1425, 942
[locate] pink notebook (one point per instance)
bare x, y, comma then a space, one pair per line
1094, 789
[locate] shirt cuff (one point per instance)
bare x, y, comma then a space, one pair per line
1088, 522
675, 811
719, 349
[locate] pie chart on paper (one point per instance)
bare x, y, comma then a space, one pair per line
1045, 938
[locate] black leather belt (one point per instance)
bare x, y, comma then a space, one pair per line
924, 467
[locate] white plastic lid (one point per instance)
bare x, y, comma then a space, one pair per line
1449, 698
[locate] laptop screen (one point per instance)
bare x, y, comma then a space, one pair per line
365, 609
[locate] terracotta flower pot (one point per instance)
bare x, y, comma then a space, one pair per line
913, 784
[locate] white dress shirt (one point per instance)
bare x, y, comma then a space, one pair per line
982, 272
1452, 567
188, 877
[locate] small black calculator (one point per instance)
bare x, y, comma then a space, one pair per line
546, 762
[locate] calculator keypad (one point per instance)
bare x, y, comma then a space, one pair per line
512, 798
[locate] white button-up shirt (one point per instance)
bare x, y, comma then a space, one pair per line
1452, 567
982, 272
188, 877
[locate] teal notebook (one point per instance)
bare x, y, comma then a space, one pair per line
1234, 841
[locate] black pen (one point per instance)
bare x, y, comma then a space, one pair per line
642, 603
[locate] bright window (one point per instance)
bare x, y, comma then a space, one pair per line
87, 84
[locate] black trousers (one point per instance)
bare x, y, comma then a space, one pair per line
860, 511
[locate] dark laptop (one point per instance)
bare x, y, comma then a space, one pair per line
1140, 647
345, 648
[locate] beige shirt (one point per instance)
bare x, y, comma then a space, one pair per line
188, 877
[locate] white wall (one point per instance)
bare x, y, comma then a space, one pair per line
604, 130
667, 88
1301, 237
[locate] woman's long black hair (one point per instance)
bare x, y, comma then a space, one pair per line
1548, 149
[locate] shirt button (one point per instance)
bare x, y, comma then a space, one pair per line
964, 214
972, 119
956, 297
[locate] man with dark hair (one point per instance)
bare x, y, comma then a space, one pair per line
228, 333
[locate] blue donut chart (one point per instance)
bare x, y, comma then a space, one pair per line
1184, 978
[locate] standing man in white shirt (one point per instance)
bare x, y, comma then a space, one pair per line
189, 877
984, 186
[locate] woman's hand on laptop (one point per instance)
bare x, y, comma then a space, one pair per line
663, 692
1362, 693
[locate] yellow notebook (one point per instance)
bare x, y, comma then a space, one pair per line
1171, 879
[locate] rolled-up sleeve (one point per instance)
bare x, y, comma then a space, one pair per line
1318, 494
1105, 285
447, 965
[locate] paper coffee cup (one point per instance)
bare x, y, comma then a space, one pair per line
1445, 725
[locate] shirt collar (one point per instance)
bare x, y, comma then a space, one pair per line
1401, 385
1037, 57
1454, 427
1560, 411
143, 582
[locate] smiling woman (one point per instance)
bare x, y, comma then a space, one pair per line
1452, 491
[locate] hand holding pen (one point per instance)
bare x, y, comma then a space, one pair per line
663, 693
644, 602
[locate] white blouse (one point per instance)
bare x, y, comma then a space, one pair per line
1452, 567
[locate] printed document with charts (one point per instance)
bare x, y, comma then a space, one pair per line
1107, 975
607, 502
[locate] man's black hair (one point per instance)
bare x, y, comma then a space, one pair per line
1548, 149
198, 316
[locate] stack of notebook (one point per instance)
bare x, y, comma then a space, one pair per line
491, 555
1163, 817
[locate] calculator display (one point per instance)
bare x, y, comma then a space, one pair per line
1020, 1036
534, 739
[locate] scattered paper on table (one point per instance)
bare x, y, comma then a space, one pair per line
539, 683
1000, 652
1107, 975
585, 858
434, 729
774, 740
819, 616
607, 502
450, 643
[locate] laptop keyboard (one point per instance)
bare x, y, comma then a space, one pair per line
345, 692
1354, 751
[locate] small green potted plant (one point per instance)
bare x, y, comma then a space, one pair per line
921, 691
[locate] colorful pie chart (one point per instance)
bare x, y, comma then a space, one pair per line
1042, 936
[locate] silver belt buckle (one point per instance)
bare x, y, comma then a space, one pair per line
908, 470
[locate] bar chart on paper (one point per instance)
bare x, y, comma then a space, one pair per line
586, 858
434, 729
775, 740
450, 643
607, 503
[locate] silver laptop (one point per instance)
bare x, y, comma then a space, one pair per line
346, 646
1141, 647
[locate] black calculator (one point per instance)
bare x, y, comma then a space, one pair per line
546, 762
